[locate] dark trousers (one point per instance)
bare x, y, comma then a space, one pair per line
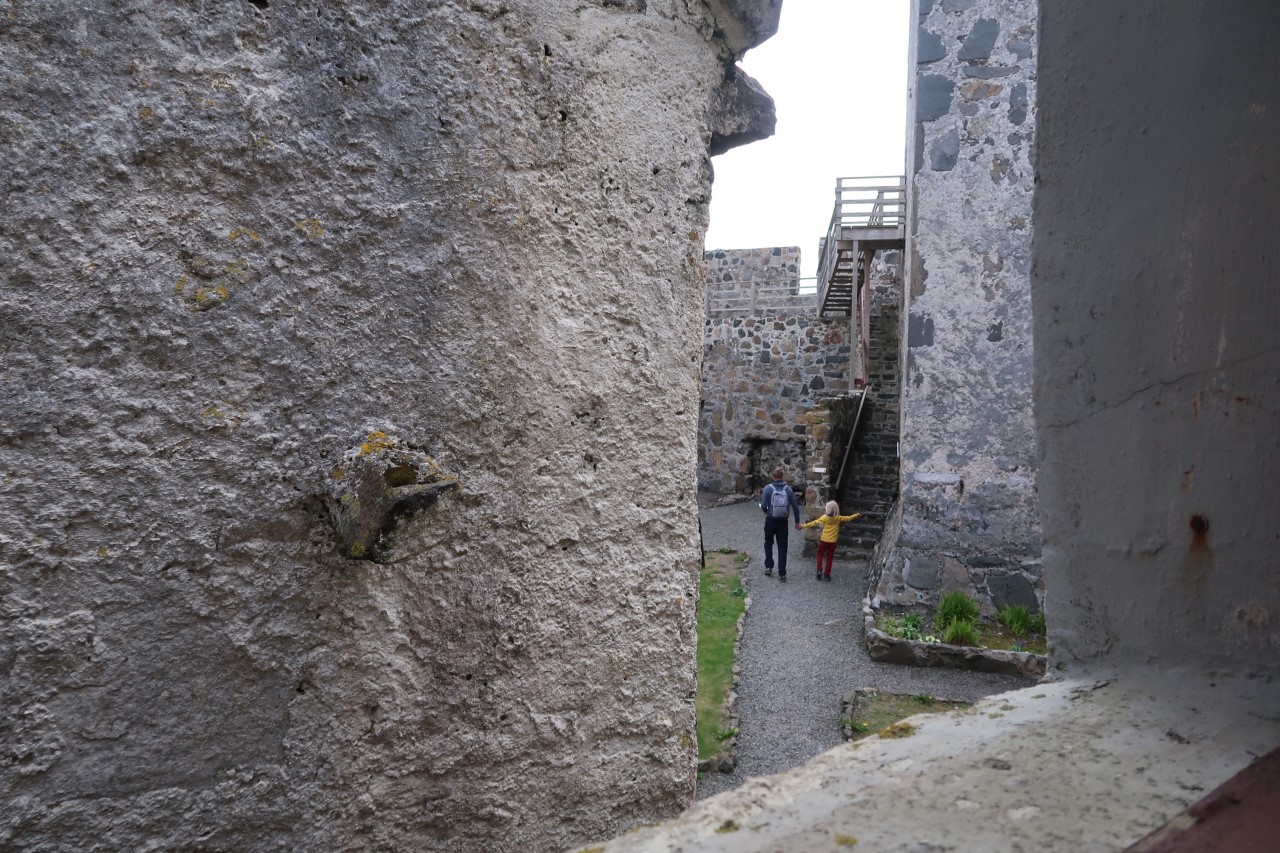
776, 529
827, 551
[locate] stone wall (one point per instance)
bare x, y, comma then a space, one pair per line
969, 517
1157, 364
432, 271
871, 484
766, 363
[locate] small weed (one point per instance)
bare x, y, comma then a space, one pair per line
741, 558
912, 626
725, 734
725, 550
728, 826
859, 728
955, 605
922, 699
1016, 619
961, 632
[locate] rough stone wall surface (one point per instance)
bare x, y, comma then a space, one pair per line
1157, 365
969, 516
245, 253
763, 371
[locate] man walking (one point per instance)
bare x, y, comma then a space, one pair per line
778, 501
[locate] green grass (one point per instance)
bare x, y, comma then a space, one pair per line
961, 632
720, 603
991, 635
1016, 619
954, 605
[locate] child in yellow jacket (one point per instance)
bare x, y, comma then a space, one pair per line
830, 522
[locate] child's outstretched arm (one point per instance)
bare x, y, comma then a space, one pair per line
843, 518
815, 522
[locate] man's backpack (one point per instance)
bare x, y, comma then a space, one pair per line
779, 503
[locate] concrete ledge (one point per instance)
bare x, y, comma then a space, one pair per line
888, 649
1088, 763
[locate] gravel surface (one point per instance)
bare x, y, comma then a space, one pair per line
802, 648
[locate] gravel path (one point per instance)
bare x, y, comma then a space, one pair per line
802, 649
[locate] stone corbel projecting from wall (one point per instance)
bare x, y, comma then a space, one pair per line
377, 485
741, 111
743, 24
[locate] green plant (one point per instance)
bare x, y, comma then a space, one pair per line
720, 603
1016, 619
912, 626
955, 605
961, 632
1037, 624
922, 699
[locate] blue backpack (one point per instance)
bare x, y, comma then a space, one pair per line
779, 503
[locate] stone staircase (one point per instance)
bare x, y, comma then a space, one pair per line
871, 484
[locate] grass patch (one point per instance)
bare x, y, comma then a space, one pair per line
720, 603
881, 713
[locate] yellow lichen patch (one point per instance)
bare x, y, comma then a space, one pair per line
239, 269
146, 114
236, 233
102, 551
377, 440
897, 730
356, 550
310, 227
223, 84
213, 412
728, 826
261, 142
338, 473
597, 849
847, 840
180, 284
210, 297
1006, 707
994, 716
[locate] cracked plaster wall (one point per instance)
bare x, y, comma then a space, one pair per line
1156, 316
968, 516
238, 243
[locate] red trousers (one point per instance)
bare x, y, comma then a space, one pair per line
827, 551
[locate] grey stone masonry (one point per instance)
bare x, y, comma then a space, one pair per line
768, 359
871, 485
968, 517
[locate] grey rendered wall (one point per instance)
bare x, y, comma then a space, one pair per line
1157, 311
969, 516
249, 248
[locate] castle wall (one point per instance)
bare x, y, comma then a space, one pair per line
1156, 310
871, 483
969, 517
768, 359
348, 400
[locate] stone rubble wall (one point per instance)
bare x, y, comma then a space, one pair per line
762, 374
969, 516
871, 484
452, 250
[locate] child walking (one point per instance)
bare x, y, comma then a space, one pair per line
830, 522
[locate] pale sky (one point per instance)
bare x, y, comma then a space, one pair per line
837, 70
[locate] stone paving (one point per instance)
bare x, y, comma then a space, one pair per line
802, 648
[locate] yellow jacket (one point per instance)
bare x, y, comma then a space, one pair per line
831, 525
